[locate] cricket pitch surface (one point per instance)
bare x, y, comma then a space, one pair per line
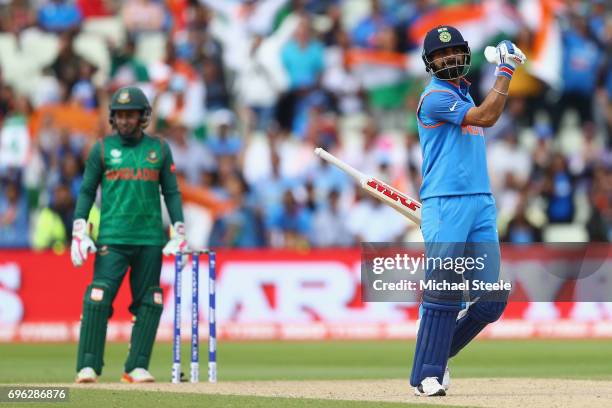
475, 392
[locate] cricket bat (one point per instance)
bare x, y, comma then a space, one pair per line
407, 206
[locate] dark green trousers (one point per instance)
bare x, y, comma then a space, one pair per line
112, 263
110, 267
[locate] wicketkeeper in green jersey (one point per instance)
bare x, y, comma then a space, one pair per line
130, 166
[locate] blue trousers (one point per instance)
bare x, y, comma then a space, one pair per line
455, 226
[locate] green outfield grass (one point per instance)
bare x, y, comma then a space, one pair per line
38, 363
585, 359
106, 398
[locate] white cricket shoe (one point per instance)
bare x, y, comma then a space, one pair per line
429, 387
138, 375
446, 379
86, 375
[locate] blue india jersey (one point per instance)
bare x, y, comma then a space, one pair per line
454, 156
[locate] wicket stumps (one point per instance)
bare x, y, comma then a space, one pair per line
195, 317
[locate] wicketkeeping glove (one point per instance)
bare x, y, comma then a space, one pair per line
82, 244
178, 243
507, 56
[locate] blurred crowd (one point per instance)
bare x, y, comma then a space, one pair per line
243, 90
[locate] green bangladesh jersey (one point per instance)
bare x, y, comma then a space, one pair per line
130, 174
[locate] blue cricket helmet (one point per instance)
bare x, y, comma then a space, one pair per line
442, 37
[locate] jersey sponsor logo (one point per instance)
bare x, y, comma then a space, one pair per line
132, 174
103, 250
152, 156
452, 108
472, 130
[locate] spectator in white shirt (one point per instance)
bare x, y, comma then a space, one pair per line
372, 221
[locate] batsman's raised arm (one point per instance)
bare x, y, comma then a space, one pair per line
507, 56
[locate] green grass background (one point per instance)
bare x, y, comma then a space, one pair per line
36, 363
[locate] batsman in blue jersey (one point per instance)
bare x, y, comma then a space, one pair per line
458, 207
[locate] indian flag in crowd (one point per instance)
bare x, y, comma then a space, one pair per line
484, 24
546, 50
480, 24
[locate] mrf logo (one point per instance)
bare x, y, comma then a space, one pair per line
394, 194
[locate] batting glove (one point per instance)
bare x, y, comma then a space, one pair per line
178, 243
82, 244
507, 56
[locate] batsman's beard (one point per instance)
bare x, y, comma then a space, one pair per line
129, 133
451, 67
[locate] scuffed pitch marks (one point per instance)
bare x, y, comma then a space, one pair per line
476, 392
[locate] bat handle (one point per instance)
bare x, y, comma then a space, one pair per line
353, 172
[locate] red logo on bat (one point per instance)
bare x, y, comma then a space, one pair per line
394, 194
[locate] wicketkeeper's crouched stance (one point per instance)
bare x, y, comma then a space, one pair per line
130, 166
458, 211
